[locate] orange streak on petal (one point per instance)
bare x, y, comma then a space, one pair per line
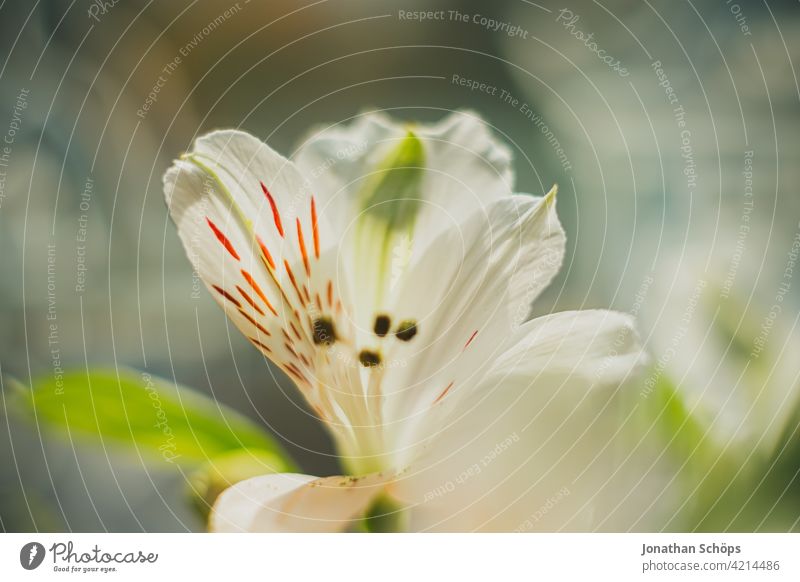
315, 226
275, 214
444, 392
294, 282
260, 345
223, 239
469, 341
258, 291
255, 323
302, 243
227, 296
249, 299
265, 252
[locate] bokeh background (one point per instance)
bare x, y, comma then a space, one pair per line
694, 229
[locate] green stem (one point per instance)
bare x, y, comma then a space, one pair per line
385, 515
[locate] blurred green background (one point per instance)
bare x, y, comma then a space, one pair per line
691, 232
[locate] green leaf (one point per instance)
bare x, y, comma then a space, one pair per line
219, 473
385, 515
152, 416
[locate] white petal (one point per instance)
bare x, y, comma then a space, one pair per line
468, 293
257, 251
598, 346
467, 167
288, 502
534, 448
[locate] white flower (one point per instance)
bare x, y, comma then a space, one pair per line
388, 271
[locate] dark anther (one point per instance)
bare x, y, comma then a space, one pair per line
382, 325
369, 359
406, 330
324, 332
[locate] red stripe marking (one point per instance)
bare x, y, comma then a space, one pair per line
469, 341
265, 252
305, 361
307, 294
444, 392
296, 333
255, 323
227, 296
290, 348
249, 299
302, 244
318, 300
287, 336
260, 345
315, 226
294, 282
223, 239
297, 373
330, 293
275, 214
258, 291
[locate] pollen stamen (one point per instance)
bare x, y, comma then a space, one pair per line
382, 325
369, 359
406, 330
